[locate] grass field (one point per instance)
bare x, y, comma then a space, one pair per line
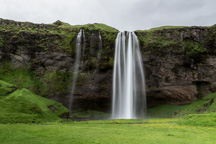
150, 131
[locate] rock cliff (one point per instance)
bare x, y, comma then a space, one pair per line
180, 62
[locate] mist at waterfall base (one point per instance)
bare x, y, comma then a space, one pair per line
129, 96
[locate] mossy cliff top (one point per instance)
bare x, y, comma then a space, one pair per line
57, 36
56, 25
180, 40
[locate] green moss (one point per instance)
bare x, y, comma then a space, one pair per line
192, 48
20, 77
1, 42
93, 61
44, 83
23, 101
153, 43
111, 61
6, 88
55, 82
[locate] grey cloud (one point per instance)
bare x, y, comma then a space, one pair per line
121, 14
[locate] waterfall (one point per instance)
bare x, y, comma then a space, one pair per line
76, 65
83, 48
83, 53
129, 96
100, 47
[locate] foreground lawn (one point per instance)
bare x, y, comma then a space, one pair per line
152, 131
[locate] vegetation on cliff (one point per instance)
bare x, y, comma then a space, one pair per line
56, 36
177, 40
43, 83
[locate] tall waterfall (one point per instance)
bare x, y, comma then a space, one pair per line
129, 96
76, 64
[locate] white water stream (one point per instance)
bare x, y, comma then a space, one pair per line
76, 65
129, 96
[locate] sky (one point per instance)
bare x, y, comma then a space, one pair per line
127, 15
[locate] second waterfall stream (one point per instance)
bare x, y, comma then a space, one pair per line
129, 95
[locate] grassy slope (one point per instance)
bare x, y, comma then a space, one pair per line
206, 120
151, 132
163, 111
24, 106
204, 105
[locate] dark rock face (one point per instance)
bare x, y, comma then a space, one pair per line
172, 71
173, 95
180, 63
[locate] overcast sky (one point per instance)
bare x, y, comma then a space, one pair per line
122, 14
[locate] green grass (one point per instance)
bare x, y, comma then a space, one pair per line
154, 131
